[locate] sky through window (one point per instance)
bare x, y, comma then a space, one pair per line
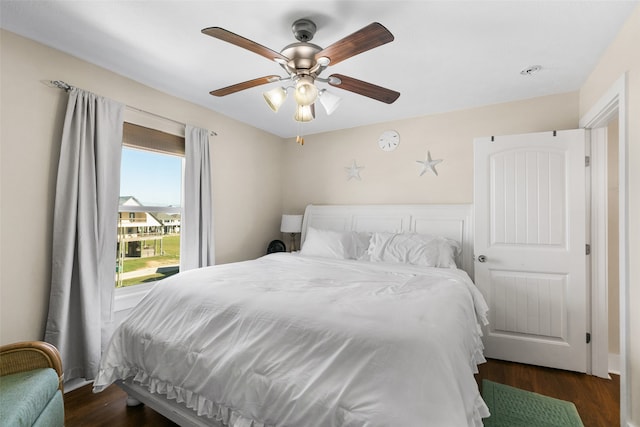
154, 179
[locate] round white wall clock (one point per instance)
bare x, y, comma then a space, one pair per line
389, 140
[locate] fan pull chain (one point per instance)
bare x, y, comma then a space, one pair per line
299, 138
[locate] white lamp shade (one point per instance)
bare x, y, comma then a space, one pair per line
305, 113
306, 92
329, 101
275, 98
291, 224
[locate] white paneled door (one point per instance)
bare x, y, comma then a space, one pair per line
530, 247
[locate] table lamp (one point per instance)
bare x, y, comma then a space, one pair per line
291, 224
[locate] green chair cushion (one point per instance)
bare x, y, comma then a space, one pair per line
53, 414
23, 396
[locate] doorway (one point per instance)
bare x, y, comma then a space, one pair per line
611, 108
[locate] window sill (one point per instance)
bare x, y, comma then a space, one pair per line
129, 297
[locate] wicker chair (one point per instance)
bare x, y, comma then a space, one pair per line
24, 357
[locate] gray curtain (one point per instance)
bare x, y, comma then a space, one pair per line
196, 235
84, 232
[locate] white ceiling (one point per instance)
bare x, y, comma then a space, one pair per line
447, 55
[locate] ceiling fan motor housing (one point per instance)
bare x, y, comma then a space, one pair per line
302, 58
303, 29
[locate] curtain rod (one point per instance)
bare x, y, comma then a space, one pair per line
67, 87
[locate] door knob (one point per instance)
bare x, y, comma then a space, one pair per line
482, 258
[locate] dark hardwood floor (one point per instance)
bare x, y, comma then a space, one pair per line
597, 399
109, 408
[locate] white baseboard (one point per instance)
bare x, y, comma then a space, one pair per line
614, 363
630, 424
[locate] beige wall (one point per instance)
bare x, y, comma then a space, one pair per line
246, 173
622, 57
315, 173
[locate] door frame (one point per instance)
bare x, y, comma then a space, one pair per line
597, 208
613, 103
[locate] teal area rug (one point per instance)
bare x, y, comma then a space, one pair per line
512, 407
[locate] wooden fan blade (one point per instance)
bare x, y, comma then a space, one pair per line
229, 37
378, 93
244, 85
373, 35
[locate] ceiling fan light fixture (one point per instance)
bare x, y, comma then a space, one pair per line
306, 91
275, 98
329, 101
304, 113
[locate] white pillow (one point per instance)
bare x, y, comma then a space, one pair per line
334, 244
361, 241
413, 248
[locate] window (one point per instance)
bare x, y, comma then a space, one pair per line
149, 209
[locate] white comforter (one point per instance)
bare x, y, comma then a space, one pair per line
287, 340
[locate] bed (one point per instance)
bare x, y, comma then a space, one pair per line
374, 322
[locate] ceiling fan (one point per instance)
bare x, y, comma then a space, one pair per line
304, 62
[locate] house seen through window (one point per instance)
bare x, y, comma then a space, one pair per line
149, 208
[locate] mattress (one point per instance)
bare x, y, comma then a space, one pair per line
287, 340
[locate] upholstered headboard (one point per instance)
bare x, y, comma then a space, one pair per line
451, 221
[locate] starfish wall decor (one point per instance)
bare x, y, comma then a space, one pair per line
429, 164
353, 171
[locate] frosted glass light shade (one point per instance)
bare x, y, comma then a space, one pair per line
306, 92
329, 101
305, 113
275, 98
291, 224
